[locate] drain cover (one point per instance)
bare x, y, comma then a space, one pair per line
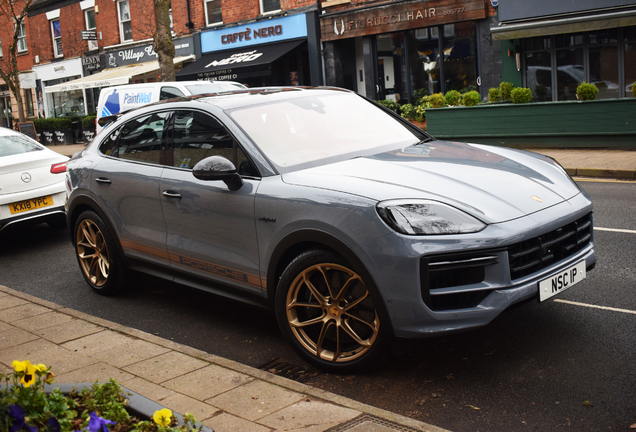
287, 369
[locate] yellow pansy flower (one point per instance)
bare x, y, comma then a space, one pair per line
163, 417
28, 371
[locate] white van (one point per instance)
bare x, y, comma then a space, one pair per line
113, 100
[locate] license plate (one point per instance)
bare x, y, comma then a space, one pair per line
561, 281
31, 204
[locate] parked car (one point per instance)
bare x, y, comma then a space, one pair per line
31, 181
113, 100
352, 224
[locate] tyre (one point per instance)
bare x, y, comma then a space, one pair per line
328, 314
98, 258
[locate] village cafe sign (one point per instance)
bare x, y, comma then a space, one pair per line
401, 16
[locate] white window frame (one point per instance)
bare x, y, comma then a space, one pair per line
22, 38
121, 22
1, 55
207, 19
56, 53
92, 44
260, 2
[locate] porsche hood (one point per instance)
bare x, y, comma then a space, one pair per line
493, 184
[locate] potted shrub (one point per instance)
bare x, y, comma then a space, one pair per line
436, 100
452, 98
494, 95
506, 88
471, 98
88, 127
521, 95
586, 91
54, 130
28, 402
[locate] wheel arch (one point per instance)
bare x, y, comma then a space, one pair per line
299, 241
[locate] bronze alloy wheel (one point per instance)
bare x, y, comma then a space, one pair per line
331, 314
92, 252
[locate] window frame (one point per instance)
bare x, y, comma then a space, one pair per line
207, 17
264, 12
92, 44
122, 32
56, 53
1, 54
21, 29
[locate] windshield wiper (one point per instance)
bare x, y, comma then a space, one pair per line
425, 140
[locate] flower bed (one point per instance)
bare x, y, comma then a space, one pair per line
29, 402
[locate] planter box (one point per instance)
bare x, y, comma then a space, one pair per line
56, 137
602, 123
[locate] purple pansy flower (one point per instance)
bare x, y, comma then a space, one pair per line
98, 424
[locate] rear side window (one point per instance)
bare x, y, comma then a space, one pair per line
16, 144
169, 93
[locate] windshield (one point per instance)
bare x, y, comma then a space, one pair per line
15, 144
302, 130
208, 87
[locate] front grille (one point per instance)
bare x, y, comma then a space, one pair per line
532, 255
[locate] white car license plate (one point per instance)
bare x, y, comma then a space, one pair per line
561, 281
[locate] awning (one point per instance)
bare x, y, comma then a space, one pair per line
111, 77
237, 64
545, 27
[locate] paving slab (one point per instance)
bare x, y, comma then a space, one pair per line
229, 423
208, 382
105, 340
255, 400
150, 390
185, 404
165, 367
22, 311
100, 372
42, 321
309, 413
48, 353
133, 351
14, 336
70, 330
7, 302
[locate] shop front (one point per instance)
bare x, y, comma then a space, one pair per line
559, 45
405, 50
60, 104
116, 67
279, 51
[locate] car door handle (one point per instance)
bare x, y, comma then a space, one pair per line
171, 194
102, 180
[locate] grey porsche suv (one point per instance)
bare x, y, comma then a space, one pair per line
353, 225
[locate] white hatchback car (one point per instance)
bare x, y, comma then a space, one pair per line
31, 181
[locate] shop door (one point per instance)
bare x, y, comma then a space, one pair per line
390, 66
5, 112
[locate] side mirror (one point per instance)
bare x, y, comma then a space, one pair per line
218, 168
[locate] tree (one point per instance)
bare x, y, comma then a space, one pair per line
162, 40
13, 11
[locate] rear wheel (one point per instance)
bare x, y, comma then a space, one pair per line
97, 256
328, 314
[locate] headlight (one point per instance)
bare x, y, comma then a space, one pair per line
423, 217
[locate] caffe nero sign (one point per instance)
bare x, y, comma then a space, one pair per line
145, 53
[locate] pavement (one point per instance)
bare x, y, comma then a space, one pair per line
222, 394
619, 164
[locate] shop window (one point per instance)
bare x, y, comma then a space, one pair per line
125, 26
269, 6
539, 75
213, 13
90, 25
56, 34
603, 55
64, 104
570, 65
629, 68
22, 42
423, 61
460, 57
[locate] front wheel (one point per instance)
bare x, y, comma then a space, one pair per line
328, 314
97, 256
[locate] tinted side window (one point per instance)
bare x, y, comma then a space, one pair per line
169, 93
141, 138
109, 145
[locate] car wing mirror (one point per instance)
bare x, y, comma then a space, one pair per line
218, 168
